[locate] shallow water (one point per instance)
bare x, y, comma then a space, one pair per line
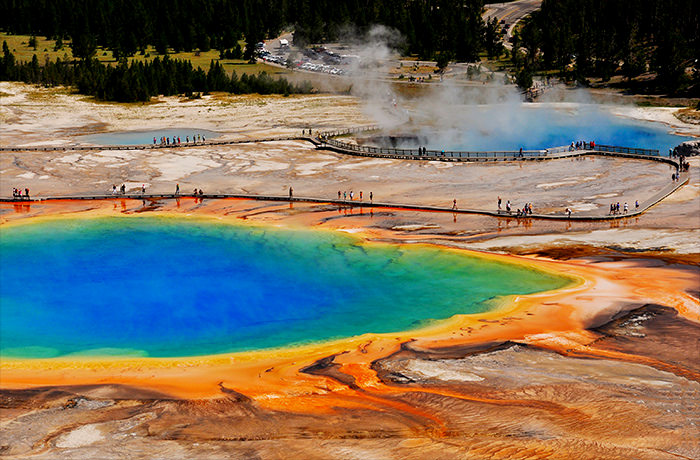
145, 137
161, 286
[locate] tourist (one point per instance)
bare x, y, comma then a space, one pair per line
508, 206
187, 139
617, 207
352, 195
345, 195
123, 188
201, 193
636, 204
26, 193
360, 195
371, 196
154, 140
114, 189
612, 208
568, 213
143, 188
177, 189
499, 203
339, 194
625, 207
673, 177
291, 192
592, 145
454, 203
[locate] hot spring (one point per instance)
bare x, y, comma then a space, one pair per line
508, 127
170, 286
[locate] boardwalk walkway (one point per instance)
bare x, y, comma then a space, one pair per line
327, 141
588, 216
53, 148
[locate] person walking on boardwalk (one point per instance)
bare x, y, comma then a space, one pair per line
371, 196
636, 204
499, 203
345, 195
143, 189
26, 193
177, 189
454, 204
568, 212
360, 195
508, 206
626, 208
339, 194
291, 192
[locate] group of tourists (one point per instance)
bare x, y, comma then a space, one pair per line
176, 140
17, 194
121, 189
525, 211
615, 208
344, 196
682, 164
581, 145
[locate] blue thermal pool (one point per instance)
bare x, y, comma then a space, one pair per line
534, 127
145, 137
165, 286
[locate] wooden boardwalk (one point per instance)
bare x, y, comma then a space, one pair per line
184, 145
326, 141
588, 216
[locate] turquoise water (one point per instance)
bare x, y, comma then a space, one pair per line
156, 286
145, 137
533, 127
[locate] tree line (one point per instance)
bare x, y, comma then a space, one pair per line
602, 38
139, 81
430, 27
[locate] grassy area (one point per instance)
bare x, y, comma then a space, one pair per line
19, 45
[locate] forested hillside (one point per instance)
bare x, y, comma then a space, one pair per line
125, 26
602, 38
139, 81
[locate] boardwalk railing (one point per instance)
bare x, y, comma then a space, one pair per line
328, 142
631, 150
